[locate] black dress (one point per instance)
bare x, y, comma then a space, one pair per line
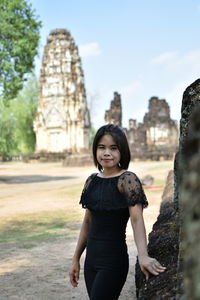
106, 263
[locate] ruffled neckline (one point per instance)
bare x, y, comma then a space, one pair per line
110, 177
111, 193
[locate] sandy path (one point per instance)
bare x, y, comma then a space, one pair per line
40, 272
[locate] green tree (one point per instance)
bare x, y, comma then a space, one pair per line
7, 130
19, 38
16, 121
24, 109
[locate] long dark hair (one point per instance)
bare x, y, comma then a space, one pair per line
121, 141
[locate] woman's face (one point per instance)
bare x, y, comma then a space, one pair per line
108, 155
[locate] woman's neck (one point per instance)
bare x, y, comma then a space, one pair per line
109, 172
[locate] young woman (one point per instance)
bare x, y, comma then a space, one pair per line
110, 197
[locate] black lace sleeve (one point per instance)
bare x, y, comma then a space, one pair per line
130, 185
85, 188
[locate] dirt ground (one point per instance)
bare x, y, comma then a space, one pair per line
40, 272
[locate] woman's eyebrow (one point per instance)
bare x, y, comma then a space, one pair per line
110, 145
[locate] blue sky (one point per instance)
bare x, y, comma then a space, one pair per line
139, 48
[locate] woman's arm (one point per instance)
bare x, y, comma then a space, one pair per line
147, 264
80, 247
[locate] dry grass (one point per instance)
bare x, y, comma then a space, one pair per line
41, 226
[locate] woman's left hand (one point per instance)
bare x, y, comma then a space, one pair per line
150, 265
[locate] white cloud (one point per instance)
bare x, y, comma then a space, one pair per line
182, 72
164, 57
184, 68
130, 89
90, 49
175, 62
191, 58
175, 76
174, 98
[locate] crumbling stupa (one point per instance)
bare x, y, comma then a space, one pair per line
156, 137
114, 114
62, 122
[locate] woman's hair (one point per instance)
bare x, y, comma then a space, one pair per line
121, 141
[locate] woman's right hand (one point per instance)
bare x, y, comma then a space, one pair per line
74, 273
150, 265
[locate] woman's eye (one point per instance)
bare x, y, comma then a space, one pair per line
100, 147
114, 148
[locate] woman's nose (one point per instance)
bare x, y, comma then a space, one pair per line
107, 151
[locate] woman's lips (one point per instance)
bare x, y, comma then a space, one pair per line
106, 160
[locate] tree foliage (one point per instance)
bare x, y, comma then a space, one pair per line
19, 38
16, 126
24, 109
7, 128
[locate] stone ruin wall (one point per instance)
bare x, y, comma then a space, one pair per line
159, 126
156, 137
174, 239
114, 114
62, 123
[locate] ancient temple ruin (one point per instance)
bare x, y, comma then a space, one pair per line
158, 135
62, 122
114, 114
155, 137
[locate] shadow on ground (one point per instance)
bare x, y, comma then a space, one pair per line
31, 178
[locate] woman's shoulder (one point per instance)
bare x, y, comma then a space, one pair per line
128, 180
130, 185
88, 181
91, 176
128, 175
